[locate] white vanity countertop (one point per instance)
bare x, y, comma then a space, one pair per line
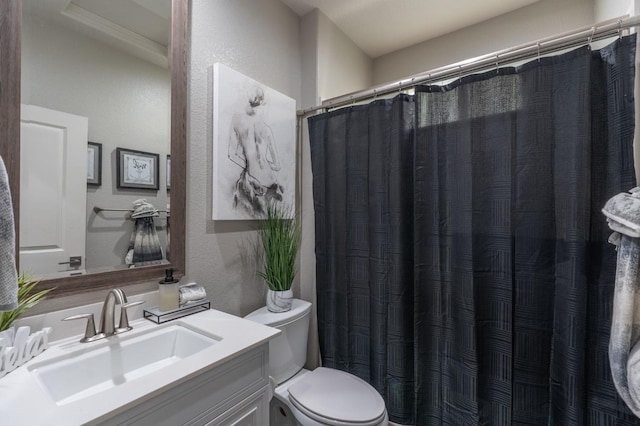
24, 403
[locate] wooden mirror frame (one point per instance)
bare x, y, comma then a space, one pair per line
10, 52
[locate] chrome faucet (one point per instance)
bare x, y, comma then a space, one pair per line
107, 318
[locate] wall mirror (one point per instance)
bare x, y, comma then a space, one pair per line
125, 75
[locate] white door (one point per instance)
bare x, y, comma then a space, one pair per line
53, 191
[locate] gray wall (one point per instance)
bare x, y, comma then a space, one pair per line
260, 40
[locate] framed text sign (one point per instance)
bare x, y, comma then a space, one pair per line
137, 169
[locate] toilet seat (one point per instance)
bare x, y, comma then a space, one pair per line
337, 398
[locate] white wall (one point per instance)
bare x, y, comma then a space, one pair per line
541, 19
261, 40
342, 66
609, 9
127, 102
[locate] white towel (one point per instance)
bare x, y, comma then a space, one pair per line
191, 293
8, 273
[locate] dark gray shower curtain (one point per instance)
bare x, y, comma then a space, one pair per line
462, 262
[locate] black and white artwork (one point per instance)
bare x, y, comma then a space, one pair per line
254, 153
94, 163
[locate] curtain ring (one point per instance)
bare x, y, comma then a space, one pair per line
413, 84
538, 44
497, 64
619, 28
590, 39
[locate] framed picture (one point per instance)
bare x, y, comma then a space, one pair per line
137, 169
94, 163
168, 171
254, 147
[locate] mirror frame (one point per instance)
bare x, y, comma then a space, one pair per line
10, 68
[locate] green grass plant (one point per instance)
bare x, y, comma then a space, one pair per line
280, 234
26, 300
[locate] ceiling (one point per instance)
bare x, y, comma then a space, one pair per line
139, 27
148, 18
374, 24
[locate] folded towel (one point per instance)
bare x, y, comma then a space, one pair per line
191, 293
141, 208
8, 273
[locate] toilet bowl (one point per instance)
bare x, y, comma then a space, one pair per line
321, 397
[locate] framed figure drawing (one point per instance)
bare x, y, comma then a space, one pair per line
137, 169
254, 151
94, 163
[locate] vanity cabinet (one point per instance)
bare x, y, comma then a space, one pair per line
251, 412
234, 393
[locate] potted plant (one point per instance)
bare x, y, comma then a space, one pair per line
26, 300
279, 234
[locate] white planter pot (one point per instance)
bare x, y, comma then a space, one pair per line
279, 301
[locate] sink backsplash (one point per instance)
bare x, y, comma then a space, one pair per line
65, 329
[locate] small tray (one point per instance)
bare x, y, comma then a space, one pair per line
154, 314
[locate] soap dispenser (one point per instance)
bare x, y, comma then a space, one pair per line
169, 294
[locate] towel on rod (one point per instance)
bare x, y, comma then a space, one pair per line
144, 244
8, 273
623, 216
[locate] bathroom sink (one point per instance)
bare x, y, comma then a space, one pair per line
119, 360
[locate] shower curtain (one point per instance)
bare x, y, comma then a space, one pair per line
462, 260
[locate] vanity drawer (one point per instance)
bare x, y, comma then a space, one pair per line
254, 411
207, 397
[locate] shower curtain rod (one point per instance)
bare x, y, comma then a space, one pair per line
581, 36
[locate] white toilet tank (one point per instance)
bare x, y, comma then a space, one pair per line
288, 351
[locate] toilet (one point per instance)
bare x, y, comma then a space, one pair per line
324, 396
